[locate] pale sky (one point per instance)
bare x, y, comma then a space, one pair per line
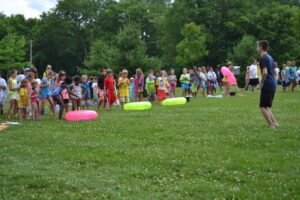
29, 8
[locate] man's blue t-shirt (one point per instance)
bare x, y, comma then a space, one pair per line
268, 62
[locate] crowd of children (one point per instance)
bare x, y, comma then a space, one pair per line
288, 75
28, 95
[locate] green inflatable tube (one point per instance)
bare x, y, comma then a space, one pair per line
174, 101
138, 106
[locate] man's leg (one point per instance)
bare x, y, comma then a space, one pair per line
267, 116
273, 118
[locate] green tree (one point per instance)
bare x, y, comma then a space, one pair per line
12, 52
133, 49
243, 53
102, 55
192, 48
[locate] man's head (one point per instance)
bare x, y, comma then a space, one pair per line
262, 46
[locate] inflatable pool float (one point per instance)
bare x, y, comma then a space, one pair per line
216, 96
174, 101
229, 75
138, 106
81, 115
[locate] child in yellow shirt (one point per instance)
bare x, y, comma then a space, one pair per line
24, 101
123, 85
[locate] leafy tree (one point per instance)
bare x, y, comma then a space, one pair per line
192, 48
102, 55
243, 53
55, 42
12, 52
133, 49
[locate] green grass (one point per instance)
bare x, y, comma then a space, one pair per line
207, 149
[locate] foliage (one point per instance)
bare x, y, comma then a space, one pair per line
243, 53
129, 52
102, 55
192, 48
12, 52
65, 35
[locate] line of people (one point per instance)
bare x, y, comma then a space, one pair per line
288, 75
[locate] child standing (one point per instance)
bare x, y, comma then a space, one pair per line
203, 77
86, 90
95, 92
151, 88
194, 78
45, 93
13, 94
23, 101
123, 85
101, 92
172, 79
109, 87
34, 100
3, 92
212, 81
185, 81
139, 84
162, 83
76, 89
131, 90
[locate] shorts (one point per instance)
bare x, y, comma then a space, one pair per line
44, 96
13, 96
185, 86
203, 84
66, 101
286, 84
23, 106
266, 98
254, 82
161, 95
194, 87
124, 99
173, 85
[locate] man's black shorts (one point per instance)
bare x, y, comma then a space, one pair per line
266, 98
254, 82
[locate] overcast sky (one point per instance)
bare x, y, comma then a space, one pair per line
29, 8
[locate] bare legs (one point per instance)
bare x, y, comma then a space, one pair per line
43, 104
268, 115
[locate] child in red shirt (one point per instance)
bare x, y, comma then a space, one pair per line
109, 87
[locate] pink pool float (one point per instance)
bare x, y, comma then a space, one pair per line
81, 115
230, 76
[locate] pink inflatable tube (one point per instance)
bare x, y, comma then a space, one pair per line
82, 115
227, 73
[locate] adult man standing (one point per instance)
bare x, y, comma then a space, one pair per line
253, 81
268, 83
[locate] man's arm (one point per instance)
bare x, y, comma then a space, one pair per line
264, 72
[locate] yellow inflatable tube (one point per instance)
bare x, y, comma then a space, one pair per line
138, 106
174, 101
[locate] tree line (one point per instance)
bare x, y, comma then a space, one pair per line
84, 35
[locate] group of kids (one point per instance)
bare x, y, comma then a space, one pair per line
28, 94
288, 75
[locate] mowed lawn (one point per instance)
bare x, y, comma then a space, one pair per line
206, 149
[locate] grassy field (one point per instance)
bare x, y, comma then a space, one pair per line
207, 149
